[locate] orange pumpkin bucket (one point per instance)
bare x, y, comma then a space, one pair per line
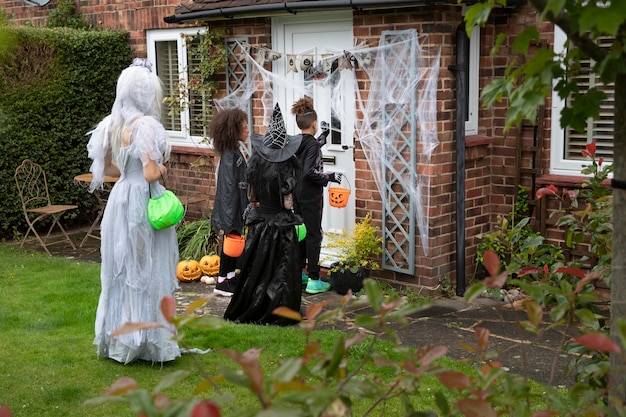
338, 196
233, 245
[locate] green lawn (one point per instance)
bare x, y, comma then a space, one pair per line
49, 366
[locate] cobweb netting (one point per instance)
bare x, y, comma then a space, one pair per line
398, 109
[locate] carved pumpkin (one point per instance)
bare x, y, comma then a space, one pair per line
210, 265
188, 271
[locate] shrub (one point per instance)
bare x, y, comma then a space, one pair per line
55, 85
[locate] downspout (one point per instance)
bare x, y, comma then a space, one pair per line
461, 69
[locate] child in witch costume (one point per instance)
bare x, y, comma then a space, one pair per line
228, 128
310, 198
270, 273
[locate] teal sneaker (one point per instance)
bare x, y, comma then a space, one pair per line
316, 286
305, 278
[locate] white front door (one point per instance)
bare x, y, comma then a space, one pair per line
317, 35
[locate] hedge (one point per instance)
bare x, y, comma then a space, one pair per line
55, 85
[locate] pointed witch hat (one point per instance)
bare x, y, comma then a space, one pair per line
276, 145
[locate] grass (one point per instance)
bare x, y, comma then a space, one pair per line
49, 366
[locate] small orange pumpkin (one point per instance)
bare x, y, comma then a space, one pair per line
188, 270
210, 265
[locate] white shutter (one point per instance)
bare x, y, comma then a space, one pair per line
600, 130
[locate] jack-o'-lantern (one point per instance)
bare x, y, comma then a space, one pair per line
210, 265
188, 270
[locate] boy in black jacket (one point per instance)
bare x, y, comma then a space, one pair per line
309, 198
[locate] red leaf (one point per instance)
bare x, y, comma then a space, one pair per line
453, 379
314, 310
495, 281
485, 368
428, 354
161, 401
589, 277
133, 327
545, 413
168, 308
287, 313
529, 270
596, 341
4, 411
600, 161
491, 261
205, 409
591, 148
122, 386
577, 272
471, 407
483, 337
550, 190
249, 362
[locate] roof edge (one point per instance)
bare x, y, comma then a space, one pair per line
307, 5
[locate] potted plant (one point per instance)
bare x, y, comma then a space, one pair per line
353, 260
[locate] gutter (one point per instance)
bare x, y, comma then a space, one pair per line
309, 5
299, 6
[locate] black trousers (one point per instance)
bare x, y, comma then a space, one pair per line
310, 247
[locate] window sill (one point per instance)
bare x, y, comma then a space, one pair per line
478, 140
573, 181
192, 150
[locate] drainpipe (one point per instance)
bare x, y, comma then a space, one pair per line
461, 69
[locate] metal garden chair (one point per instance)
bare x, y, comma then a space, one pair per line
33, 189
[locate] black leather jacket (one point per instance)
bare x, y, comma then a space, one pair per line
230, 195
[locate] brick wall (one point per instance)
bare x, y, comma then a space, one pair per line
490, 157
134, 16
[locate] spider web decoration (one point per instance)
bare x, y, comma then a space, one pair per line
396, 126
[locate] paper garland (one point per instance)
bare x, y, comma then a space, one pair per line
307, 63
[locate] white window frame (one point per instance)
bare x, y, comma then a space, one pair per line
471, 124
177, 137
558, 164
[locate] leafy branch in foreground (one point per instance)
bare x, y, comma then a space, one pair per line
346, 378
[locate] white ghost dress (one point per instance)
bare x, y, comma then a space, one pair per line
139, 262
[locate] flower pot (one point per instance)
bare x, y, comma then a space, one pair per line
345, 280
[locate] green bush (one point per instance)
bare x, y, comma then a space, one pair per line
55, 85
516, 243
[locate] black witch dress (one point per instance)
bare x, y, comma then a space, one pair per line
271, 274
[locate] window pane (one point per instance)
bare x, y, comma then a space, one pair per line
197, 103
600, 130
167, 70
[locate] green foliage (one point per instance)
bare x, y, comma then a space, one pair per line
446, 287
356, 248
55, 86
515, 241
339, 380
196, 239
65, 15
587, 214
404, 292
208, 49
527, 83
568, 297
